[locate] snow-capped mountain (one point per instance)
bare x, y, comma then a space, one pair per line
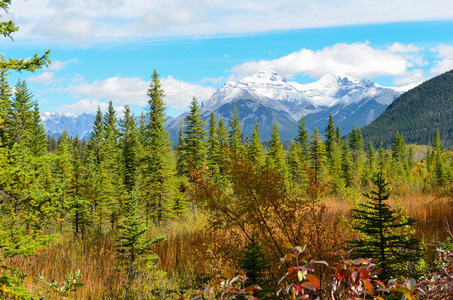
75, 124
349, 100
273, 90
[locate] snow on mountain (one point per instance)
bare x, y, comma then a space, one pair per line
298, 99
75, 124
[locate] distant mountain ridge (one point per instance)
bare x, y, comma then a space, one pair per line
265, 98
350, 101
417, 114
76, 124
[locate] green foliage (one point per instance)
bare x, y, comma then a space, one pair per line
129, 149
255, 265
11, 284
255, 148
158, 167
235, 133
303, 140
20, 115
317, 156
275, 157
195, 136
132, 243
69, 285
384, 232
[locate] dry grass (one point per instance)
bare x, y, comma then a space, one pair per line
95, 258
191, 250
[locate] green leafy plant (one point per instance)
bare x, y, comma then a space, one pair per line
63, 290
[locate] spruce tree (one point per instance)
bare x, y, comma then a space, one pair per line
195, 136
255, 149
235, 133
96, 139
330, 135
347, 166
159, 170
275, 157
296, 166
437, 163
222, 134
110, 167
79, 207
338, 135
132, 245
253, 262
36, 141
399, 156
20, 115
335, 166
384, 231
129, 149
317, 156
303, 140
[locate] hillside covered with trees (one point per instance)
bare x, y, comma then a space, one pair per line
417, 114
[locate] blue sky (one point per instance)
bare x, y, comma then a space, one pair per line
107, 50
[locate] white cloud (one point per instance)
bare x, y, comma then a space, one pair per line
88, 105
445, 53
84, 105
133, 91
58, 65
358, 59
45, 77
413, 77
160, 18
66, 27
129, 90
179, 94
397, 47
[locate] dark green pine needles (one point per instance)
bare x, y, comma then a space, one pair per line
384, 232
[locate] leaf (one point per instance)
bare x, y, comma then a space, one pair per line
228, 274
218, 282
355, 277
365, 274
300, 276
408, 296
254, 287
380, 283
320, 262
411, 284
313, 280
309, 286
368, 286
287, 246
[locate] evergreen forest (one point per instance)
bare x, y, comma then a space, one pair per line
128, 215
